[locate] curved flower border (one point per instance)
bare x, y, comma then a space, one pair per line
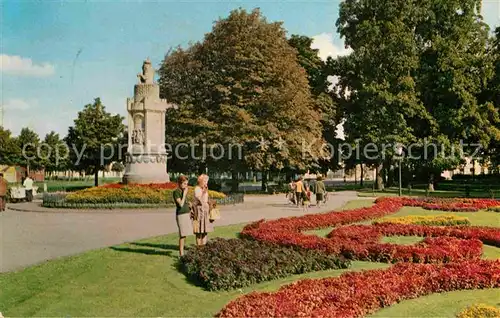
357, 294
454, 250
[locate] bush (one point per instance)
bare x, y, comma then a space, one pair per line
479, 311
438, 220
234, 263
215, 185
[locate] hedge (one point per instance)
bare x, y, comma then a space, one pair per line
225, 264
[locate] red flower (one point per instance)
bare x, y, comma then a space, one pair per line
357, 294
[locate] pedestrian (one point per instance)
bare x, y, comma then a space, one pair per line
28, 187
182, 212
291, 192
305, 200
299, 189
320, 190
308, 195
3, 192
201, 209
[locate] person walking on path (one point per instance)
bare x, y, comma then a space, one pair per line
320, 190
28, 186
299, 189
201, 208
291, 192
182, 212
3, 192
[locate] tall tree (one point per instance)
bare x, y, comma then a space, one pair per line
54, 153
243, 86
317, 72
28, 141
491, 97
375, 86
10, 153
409, 76
94, 135
453, 69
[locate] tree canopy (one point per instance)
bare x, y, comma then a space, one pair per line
243, 85
94, 138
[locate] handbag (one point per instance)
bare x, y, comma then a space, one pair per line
214, 214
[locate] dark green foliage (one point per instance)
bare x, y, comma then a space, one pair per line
95, 133
234, 263
10, 153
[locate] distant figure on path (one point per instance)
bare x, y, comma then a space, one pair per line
182, 212
3, 192
299, 189
201, 219
306, 198
320, 190
291, 192
28, 186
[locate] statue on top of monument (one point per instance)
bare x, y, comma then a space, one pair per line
148, 73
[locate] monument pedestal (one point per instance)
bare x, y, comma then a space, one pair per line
146, 158
145, 169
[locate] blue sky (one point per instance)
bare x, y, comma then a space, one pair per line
58, 56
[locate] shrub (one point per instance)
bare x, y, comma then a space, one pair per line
356, 294
234, 263
438, 220
479, 311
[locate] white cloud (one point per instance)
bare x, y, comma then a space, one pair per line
19, 113
17, 65
324, 43
17, 104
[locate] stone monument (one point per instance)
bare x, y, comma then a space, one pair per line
146, 158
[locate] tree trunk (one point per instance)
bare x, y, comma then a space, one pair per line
355, 174
234, 181
388, 174
96, 177
473, 170
379, 185
264, 181
362, 176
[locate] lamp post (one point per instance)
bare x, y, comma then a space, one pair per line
399, 152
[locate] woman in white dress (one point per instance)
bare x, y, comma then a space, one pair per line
201, 219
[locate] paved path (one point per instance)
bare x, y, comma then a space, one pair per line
29, 238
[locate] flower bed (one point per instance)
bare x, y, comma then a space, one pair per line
130, 194
480, 311
437, 220
361, 242
449, 204
234, 263
453, 250
358, 294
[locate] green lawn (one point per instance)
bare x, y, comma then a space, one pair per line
137, 279
140, 279
441, 304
